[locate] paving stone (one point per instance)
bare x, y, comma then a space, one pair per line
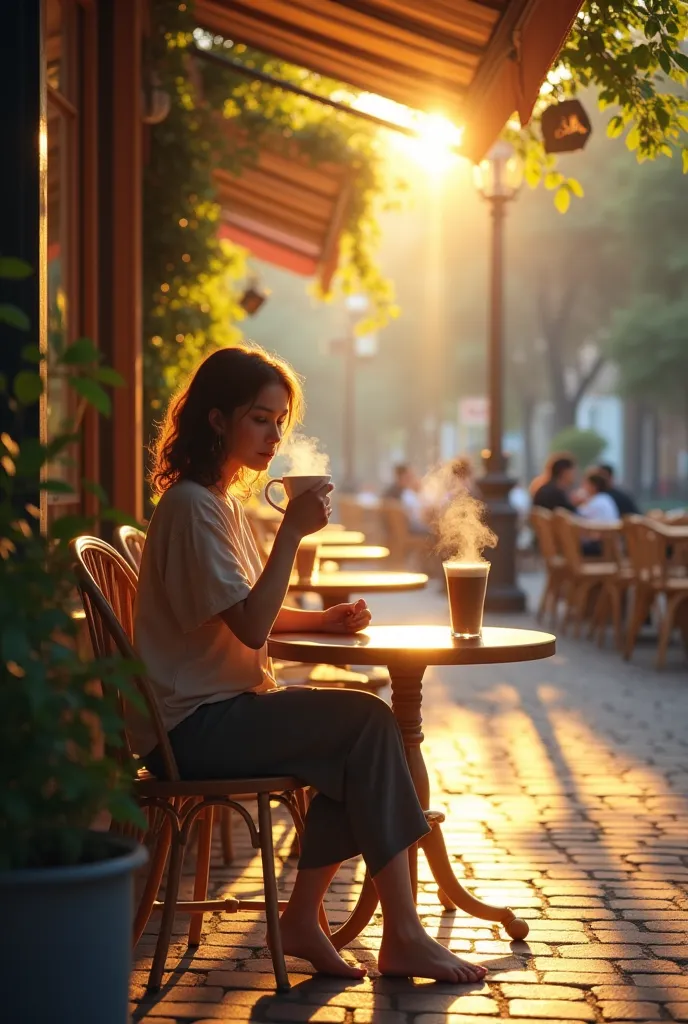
296, 1012
551, 963
651, 967
582, 979
679, 1011
516, 991
551, 1008
619, 1010
430, 1002
380, 1017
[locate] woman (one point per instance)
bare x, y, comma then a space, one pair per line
204, 610
597, 502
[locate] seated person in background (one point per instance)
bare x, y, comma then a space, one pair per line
598, 503
395, 490
623, 501
554, 491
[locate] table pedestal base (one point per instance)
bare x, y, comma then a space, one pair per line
407, 689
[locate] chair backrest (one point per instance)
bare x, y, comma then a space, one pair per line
396, 528
107, 585
542, 522
647, 548
568, 537
130, 541
350, 512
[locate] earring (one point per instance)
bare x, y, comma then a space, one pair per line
218, 443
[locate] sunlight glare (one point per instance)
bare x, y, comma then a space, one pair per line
437, 138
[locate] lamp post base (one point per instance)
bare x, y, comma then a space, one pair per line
503, 591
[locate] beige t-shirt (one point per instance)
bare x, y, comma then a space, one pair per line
199, 559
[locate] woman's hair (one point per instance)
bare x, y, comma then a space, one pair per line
187, 447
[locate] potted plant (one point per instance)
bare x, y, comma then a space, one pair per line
66, 891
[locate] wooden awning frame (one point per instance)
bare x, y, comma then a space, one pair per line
475, 61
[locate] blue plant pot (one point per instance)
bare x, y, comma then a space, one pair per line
67, 939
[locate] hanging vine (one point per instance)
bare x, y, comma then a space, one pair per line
192, 279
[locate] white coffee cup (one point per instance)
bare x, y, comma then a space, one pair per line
294, 486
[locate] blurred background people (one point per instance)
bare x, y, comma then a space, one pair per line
553, 488
624, 502
598, 503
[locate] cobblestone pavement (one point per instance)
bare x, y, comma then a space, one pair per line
566, 789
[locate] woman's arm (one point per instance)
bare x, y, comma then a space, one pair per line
252, 619
297, 620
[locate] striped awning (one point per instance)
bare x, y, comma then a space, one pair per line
286, 210
476, 61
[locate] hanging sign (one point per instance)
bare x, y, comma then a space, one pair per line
565, 127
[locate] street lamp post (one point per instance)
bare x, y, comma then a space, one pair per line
356, 307
498, 179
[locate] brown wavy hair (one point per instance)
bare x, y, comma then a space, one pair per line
186, 446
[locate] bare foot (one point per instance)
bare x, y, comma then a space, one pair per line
310, 943
423, 957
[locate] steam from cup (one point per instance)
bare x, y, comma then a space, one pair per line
302, 457
459, 521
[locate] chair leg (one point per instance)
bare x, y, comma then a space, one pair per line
152, 883
666, 628
267, 857
205, 839
226, 835
544, 604
174, 875
642, 603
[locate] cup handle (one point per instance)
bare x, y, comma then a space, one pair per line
269, 484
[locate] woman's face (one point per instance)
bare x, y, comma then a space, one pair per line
256, 430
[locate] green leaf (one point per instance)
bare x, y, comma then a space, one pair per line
106, 375
532, 174
684, 158
633, 139
681, 59
114, 515
80, 353
67, 527
615, 127
28, 387
31, 353
562, 199
56, 486
575, 187
665, 61
14, 317
553, 179
15, 269
95, 488
652, 27
93, 393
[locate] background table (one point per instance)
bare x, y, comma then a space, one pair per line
352, 552
337, 587
407, 651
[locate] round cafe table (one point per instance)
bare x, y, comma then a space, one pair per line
352, 552
407, 651
337, 587
337, 538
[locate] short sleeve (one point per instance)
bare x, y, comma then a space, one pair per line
203, 573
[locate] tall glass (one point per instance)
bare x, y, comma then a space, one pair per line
466, 588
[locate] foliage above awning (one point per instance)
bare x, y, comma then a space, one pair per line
475, 61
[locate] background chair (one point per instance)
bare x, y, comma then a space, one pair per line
129, 541
541, 520
585, 577
108, 586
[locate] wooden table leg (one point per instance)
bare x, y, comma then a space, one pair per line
407, 696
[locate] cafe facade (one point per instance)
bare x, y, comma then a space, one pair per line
77, 109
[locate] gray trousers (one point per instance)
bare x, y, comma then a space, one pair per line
344, 743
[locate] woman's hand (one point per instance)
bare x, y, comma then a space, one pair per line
309, 512
346, 618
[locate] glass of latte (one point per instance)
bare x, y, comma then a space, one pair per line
466, 587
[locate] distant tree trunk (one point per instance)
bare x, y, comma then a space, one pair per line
554, 323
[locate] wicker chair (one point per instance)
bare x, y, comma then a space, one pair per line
541, 520
108, 587
130, 541
649, 542
586, 578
